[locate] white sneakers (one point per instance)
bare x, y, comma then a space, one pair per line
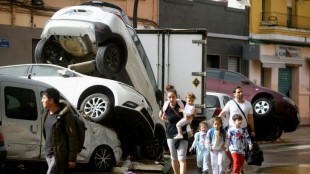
178, 137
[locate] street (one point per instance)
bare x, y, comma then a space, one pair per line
289, 154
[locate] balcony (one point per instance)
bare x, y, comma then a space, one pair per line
284, 20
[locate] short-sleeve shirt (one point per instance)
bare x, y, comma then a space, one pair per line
232, 108
173, 119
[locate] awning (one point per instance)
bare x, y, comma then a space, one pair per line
277, 62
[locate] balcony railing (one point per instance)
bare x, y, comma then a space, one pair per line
282, 19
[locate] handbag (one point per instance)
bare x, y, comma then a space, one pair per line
254, 156
248, 126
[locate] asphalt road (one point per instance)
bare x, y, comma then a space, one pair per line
289, 154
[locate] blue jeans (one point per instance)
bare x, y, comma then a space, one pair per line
52, 166
202, 157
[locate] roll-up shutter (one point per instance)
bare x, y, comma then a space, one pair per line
285, 80
233, 63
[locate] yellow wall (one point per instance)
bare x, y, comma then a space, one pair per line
300, 9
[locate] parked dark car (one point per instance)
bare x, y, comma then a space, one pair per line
273, 111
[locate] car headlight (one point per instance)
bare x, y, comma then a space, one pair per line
289, 100
130, 104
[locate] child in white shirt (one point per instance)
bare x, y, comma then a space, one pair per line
188, 111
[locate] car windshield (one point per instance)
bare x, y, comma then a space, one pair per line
143, 56
42, 70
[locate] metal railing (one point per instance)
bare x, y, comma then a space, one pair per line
282, 19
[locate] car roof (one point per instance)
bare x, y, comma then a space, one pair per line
27, 81
217, 94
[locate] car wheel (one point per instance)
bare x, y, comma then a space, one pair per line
276, 131
98, 107
109, 61
102, 158
262, 107
152, 149
51, 52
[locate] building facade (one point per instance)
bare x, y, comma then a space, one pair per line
280, 30
227, 28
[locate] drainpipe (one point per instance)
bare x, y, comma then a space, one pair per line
13, 15
135, 11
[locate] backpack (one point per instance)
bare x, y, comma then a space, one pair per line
80, 131
212, 132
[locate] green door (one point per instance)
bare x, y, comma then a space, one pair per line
285, 80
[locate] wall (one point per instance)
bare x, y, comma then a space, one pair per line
255, 67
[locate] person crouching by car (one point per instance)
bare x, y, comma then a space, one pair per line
59, 132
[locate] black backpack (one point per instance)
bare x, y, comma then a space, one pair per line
80, 131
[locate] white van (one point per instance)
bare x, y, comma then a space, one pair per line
20, 118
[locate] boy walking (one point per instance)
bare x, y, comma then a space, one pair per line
238, 138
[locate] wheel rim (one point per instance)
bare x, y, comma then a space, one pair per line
262, 107
113, 59
95, 107
103, 159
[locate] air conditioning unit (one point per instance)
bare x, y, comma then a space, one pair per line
37, 2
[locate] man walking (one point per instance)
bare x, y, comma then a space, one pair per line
59, 132
247, 111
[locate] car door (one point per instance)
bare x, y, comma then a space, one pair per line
21, 123
231, 80
50, 75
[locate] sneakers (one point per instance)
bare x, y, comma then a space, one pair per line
199, 170
178, 137
229, 169
241, 171
205, 172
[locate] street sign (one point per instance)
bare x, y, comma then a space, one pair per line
196, 82
4, 43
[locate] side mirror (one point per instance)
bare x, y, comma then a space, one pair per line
245, 81
158, 95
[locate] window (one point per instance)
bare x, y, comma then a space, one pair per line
213, 74
212, 101
233, 77
49, 71
233, 63
16, 70
20, 103
225, 100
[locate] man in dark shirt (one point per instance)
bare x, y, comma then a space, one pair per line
59, 132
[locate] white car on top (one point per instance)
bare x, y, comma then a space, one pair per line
111, 103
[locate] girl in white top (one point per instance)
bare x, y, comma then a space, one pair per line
218, 142
188, 112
